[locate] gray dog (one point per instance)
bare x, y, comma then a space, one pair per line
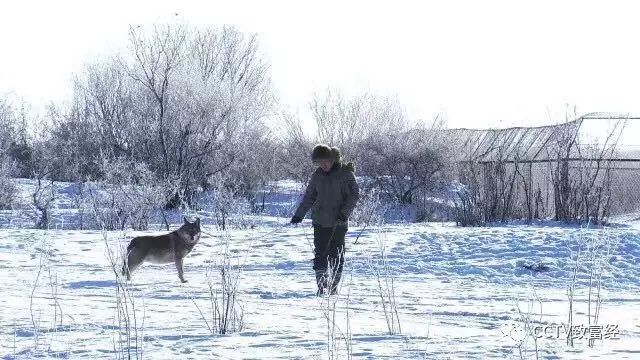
163, 249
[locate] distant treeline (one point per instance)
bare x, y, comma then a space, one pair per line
188, 109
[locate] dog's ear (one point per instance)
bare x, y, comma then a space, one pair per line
185, 220
197, 221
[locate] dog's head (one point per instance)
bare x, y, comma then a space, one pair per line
191, 229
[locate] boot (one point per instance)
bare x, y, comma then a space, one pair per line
335, 283
321, 281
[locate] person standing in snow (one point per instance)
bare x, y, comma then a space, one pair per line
332, 194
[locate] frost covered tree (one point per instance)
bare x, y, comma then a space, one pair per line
185, 101
7, 133
347, 122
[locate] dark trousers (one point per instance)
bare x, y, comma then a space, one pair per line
329, 254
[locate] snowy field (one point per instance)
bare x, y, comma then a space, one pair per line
458, 291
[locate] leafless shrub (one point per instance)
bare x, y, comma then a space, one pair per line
347, 121
599, 251
495, 186
230, 207
127, 196
295, 147
80, 200
42, 200
370, 209
7, 123
128, 337
385, 279
36, 323
571, 289
536, 173
402, 164
225, 313
15, 150
269, 190
528, 319
590, 262
581, 173
468, 206
8, 189
338, 326
45, 310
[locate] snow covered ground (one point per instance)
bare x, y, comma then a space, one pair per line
458, 292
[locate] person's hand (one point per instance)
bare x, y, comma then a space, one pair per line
342, 218
296, 219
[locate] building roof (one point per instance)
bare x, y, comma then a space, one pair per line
528, 144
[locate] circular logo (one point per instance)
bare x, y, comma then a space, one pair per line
514, 331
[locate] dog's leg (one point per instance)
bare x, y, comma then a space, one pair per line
179, 267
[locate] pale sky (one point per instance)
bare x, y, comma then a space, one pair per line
481, 63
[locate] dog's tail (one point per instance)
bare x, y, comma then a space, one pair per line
125, 261
125, 268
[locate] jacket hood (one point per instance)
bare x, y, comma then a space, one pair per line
349, 167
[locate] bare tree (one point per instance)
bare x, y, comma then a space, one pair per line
42, 200
7, 126
348, 121
9, 142
295, 147
403, 163
187, 102
212, 86
157, 57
